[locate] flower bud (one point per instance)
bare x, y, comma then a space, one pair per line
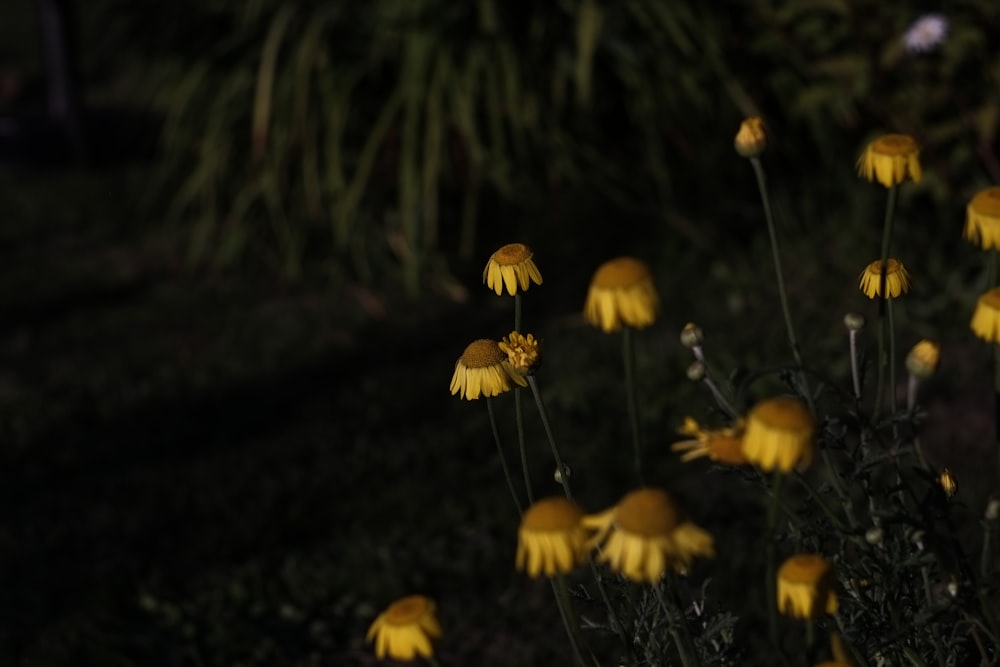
947, 482
751, 140
923, 359
874, 535
854, 322
992, 510
691, 335
696, 371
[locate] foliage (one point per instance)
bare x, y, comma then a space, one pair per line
362, 137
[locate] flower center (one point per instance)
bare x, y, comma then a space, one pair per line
482, 353
804, 569
647, 512
512, 253
987, 202
621, 272
408, 610
991, 299
895, 145
552, 514
786, 414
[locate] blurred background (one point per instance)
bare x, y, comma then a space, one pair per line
242, 245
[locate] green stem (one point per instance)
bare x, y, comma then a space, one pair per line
628, 353
503, 459
562, 469
521, 446
517, 312
890, 214
935, 631
682, 641
566, 612
771, 582
855, 375
793, 342
891, 323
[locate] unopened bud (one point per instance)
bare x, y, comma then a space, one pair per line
562, 474
923, 359
992, 509
854, 322
751, 140
696, 371
691, 335
948, 483
873, 536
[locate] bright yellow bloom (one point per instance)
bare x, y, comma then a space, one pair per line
405, 629
483, 369
889, 159
897, 279
511, 266
806, 586
551, 539
986, 318
644, 534
982, 219
751, 140
779, 434
724, 445
523, 352
621, 292
948, 483
923, 359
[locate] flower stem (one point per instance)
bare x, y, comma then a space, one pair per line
855, 375
521, 446
891, 323
628, 353
793, 342
771, 582
560, 467
503, 459
890, 214
565, 604
682, 640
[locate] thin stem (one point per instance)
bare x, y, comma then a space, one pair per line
521, 445
503, 459
890, 214
517, 312
628, 352
720, 400
793, 342
934, 627
771, 581
681, 641
566, 612
892, 365
855, 375
560, 467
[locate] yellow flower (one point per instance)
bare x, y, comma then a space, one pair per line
621, 292
982, 220
523, 352
779, 434
923, 359
751, 140
806, 586
986, 318
405, 629
889, 159
948, 483
897, 279
644, 534
551, 539
724, 445
511, 266
483, 369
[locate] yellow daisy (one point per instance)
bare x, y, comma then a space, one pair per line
751, 140
511, 266
644, 534
890, 159
982, 220
923, 359
986, 318
724, 445
483, 369
897, 279
621, 292
779, 434
806, 587
551, 539
523, 352
405, 629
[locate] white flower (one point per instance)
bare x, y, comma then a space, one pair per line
926, 33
